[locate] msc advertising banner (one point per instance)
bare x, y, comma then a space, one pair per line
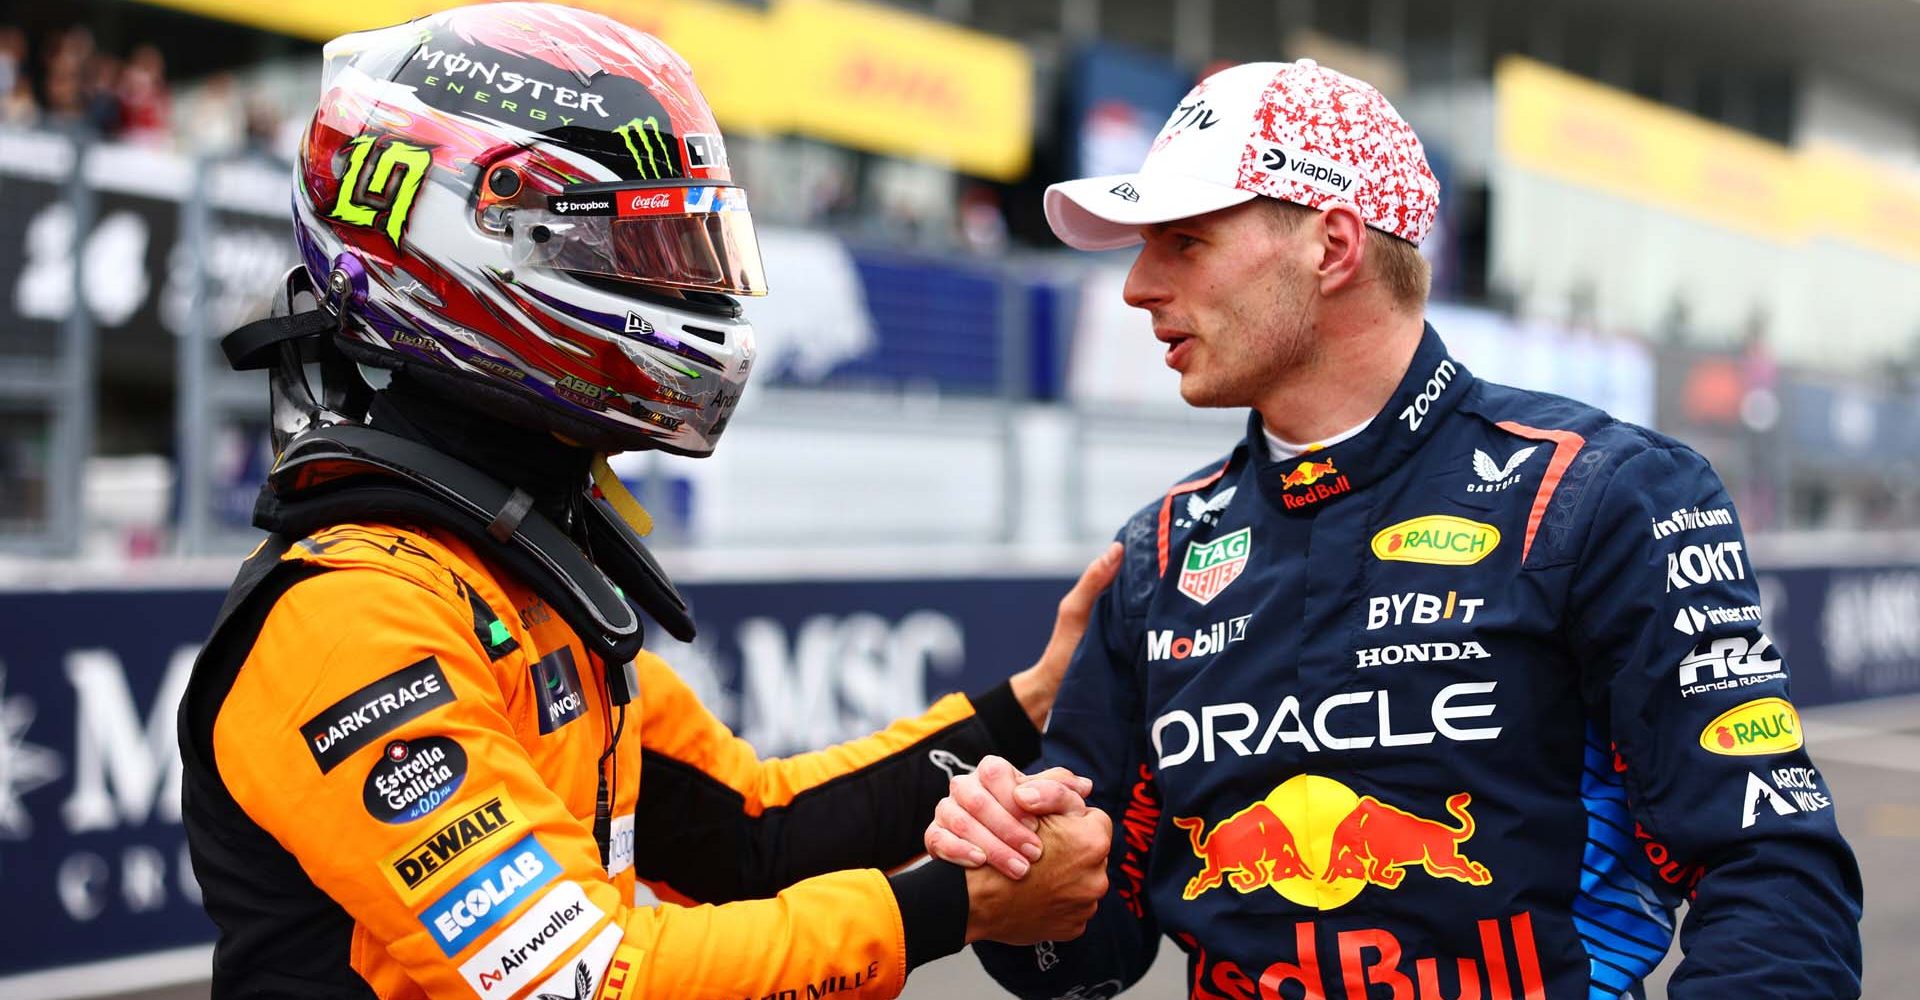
93, 862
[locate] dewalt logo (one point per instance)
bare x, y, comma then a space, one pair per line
1441, 539
417, 868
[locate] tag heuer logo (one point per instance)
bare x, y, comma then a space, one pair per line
1211, 566
1126, 191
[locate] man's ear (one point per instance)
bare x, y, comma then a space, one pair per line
1343, 249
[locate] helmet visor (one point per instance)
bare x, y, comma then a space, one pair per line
697, 236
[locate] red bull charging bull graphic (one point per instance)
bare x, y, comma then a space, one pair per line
1318, 844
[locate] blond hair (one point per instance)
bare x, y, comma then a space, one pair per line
1397, 263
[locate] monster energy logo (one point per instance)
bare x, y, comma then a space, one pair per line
388, 190
648, 146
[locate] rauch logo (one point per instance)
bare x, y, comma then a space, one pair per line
1441, 539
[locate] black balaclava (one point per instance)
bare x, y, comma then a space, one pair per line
553, 472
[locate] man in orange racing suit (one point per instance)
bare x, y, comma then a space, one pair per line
425, 754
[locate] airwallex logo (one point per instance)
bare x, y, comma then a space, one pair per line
1166, 644
517, 954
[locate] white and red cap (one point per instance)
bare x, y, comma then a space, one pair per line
1294, 131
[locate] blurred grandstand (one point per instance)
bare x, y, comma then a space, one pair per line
1703, 216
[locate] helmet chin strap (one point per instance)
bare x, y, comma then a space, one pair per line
608, 487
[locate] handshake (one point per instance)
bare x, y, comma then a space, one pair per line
1035, 852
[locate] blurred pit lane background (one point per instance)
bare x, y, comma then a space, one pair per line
1703, 216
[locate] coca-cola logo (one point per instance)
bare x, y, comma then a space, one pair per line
650, 202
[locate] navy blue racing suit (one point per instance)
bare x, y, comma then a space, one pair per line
1463, 706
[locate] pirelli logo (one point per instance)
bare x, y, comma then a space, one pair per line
418, 868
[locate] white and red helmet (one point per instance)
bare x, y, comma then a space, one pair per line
531, 205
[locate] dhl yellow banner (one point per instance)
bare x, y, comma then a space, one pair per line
887, 81
865, 76
1594, 136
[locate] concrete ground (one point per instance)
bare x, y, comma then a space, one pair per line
1869, 754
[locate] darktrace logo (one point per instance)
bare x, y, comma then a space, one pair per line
557, 690
414, 778
1126, 191
374, 711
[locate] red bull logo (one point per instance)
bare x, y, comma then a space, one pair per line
1308, 473
1318, 844
1318, 480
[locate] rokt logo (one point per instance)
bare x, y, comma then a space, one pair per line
1764, 726
1441, 539
1318, 844
1162, 644
1211, 566
1715, 562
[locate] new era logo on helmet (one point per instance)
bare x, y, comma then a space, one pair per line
1126, 191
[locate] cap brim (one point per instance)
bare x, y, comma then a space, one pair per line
1088, 214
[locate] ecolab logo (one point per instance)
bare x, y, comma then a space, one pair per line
1162, 644
468, 909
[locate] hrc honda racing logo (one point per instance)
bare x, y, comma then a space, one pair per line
1318, 844
1165, 644
1349, 720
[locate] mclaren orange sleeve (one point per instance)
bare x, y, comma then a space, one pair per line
371, 734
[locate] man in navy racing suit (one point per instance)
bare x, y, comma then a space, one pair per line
1432, 687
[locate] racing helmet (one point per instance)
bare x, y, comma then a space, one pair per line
530, 207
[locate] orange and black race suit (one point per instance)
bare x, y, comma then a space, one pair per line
393, 757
